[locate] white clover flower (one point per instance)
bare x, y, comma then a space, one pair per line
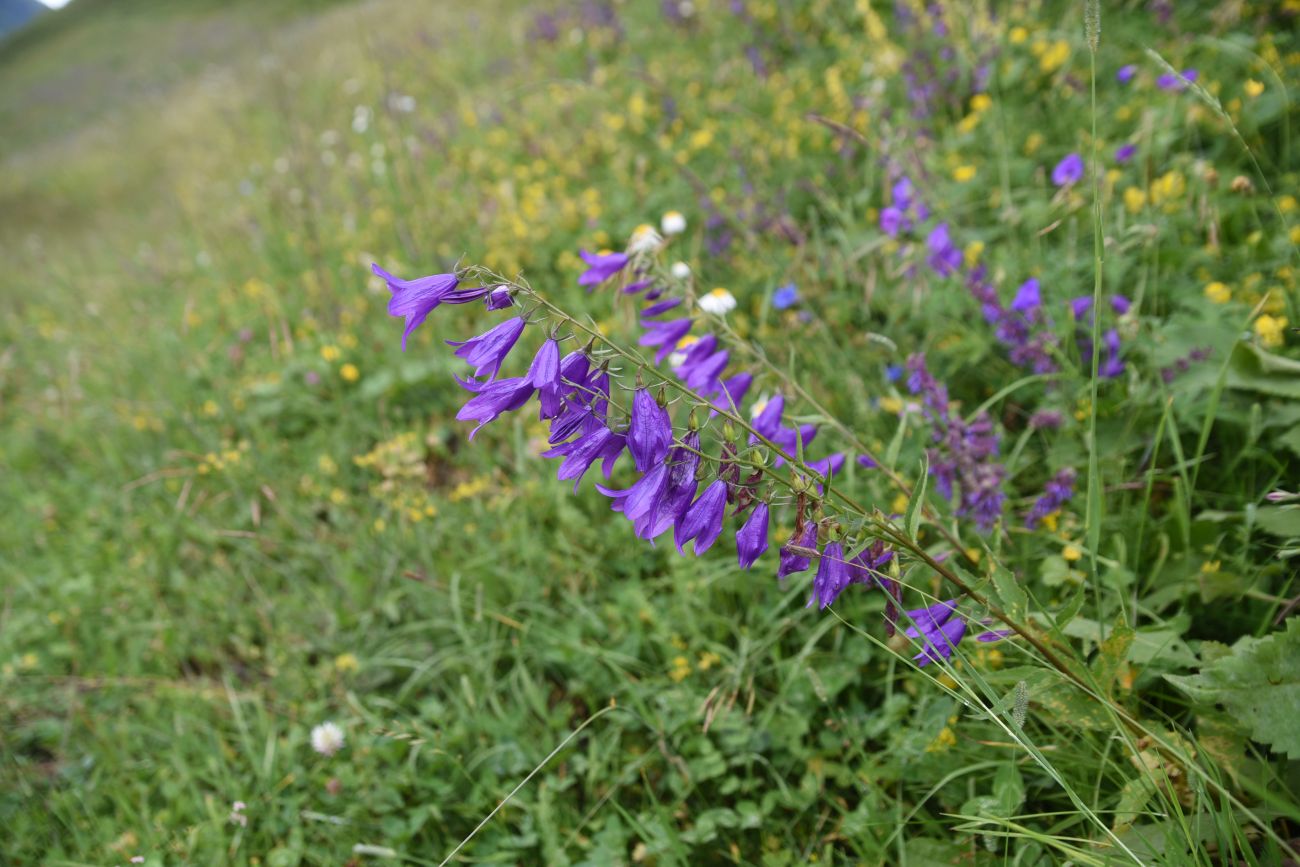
327, 739
644, 240
719, 302
673, 223
681, 270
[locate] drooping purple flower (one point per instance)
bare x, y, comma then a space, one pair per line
891, 221
544, 375
867, 462
495, 398
785, 296
660, 307
1177, 80
598, 444
832, 576
1126, 73
703, 520
827, 466
1068, 171
1120, 304
1125, 153
415, 299
680, 489
1028, 297
1056, 493
1112, 366
939, 629
752, 538
1080, 306
731, 392
600, 267
793, 561
650, 431
665, 335
486, 352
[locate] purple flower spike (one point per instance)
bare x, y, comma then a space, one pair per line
1028, 297
486, 352
751, 539
703, 520
650, 432
832, 576
793, 561
415, 299
601, 266
1125, 153
1068, 171
1056, 493
944, 257
1126, 73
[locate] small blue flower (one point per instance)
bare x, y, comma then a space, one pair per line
785, 297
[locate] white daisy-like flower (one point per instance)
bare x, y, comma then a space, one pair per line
327, 739
681, 270
644, 240
719, 302
673, 223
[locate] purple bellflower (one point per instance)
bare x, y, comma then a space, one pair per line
832, 576
703, 520
486, 352
600, 267
1068, 171
751, 539
416, 299
650, 431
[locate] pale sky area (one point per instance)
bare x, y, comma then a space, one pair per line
55, 4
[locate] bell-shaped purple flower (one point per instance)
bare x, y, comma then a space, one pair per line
544, 375
939, 628
680, 490
486, 352
793, 561
832, 576
1028, 297
599, 444
751, 539
495, 398
1126, 73
415, 299
498, 299
1068, 171
650, 432
703, 520
600, 267
665, 335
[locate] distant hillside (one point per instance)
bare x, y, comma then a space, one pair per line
16, 13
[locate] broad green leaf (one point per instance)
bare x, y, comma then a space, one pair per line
1283, 521
1252, 369
1258, 684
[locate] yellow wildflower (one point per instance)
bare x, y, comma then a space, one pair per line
1218, 292
1270, 330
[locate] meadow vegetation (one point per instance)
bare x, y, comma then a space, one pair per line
236, 509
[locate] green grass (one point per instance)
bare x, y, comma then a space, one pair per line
196, 568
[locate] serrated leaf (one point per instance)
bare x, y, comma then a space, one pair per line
1112, 653
1011, 595
1252, 369
912, 519
1283, 521
1258, 684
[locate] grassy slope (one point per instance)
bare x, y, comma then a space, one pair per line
197, 570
